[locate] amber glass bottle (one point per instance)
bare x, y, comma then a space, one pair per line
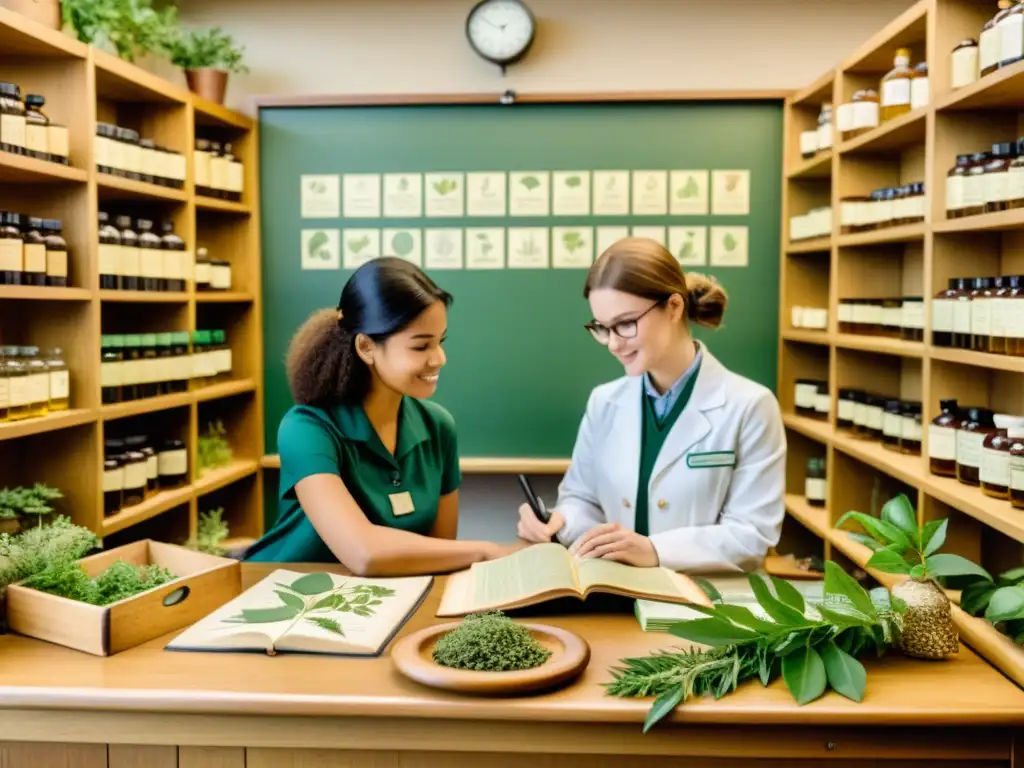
895, 100
942, 439
1016, 435
976, 424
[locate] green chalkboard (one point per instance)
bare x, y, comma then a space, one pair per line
520, 364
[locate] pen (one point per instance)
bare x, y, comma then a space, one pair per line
535, 502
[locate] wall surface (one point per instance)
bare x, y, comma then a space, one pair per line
419, 46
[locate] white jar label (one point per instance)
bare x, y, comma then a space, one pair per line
845, 118
1017, 473
11, 255
151, 263
962, 316
846, 409
35, 138
805, 394
892, 425
980, 317
825, 136
236, 177
39, 387
1011, 37
110, 259
220, 277
942, 442
113, 480
997, 186
822, 402
954, 193
995, 467
57, 140
891, 316
865, 114
5, 392
919, 92
896, 92
152, 467
130, 266
988, 48
35, 257
860, 414
912, 314
12, 130
20, 391
910, 428
814, 488
974, 190
112, 374
57, 263
135, 474
875, 414
968, 448
173, 462
60, 385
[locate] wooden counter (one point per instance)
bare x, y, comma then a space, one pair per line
157, 708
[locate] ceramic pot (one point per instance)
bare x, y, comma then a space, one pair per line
210, 84
45, 12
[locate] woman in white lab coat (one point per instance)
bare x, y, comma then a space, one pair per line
681, 462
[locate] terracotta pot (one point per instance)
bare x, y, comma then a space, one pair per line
45, 12
211, 84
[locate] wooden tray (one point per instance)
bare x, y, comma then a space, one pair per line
413, 656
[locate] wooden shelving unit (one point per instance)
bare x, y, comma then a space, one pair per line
84, 86
912, 260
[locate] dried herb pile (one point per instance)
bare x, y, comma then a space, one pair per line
118, 581
490, 642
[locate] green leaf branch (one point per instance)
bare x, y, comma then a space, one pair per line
814, 648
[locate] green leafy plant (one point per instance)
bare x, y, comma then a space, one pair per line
211, 530
688, 190
206, 49
118, 581
314, 597
36, 548
24, 503
573, 241
900, 546
131, 27
572, 182
814, 648
445, 186
214, 448
490, 642
999, 601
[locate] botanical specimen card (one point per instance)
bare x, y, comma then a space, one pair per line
404, 243
320, 196
309, 613
320, 249
360, 246
485, 193
445, 194
529, 193
689, 193
403, 195
485, 248
730, 193
361, 195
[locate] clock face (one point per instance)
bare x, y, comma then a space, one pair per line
500, 30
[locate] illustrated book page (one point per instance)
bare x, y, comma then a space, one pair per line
309, 613
546, 571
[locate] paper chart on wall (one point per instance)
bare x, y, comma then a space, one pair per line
607, 236
528, 248
360, 246
320, 249
485, 248
655, 233
485, 193
611, 193
403, 195
570, 193
689, 245
320, 196
444, 194
572, 247
529, 193
404, 243
688, 193
650, 193
443, 248
729, 247
730, 193
361, 195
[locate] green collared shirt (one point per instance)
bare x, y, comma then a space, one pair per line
340, 440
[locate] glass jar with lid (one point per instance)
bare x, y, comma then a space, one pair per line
846, 407
892, 424
140, 443
220, 275
892, 316
942, 439
134, 491
911, 429
201, 158
974, 185
981, 315
103, 149
36, 128
110, 370
1011, 36
920, 90
995, 458
1016, 434
12, 119
34, 252
822, 400
1001, 308
60, 380
963, 64
956, 178
804, 396
113, 475
989, 41
912, 318
996, 176
132, 150
109, 254
56, 253
865, 110
962, 313
151, 257
916, 204
172, 464
976, 423
12, 249
18, 384
38, 382
815, 485
875, 416
149, 161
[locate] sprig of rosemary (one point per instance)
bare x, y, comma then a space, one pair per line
814, 648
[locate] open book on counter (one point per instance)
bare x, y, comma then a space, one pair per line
309, 613
546, 571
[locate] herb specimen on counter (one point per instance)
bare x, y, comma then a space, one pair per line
211, 530
900, 546
117, 581
315, 598
490, 642
33, 503
814, 647
214, 449
35, 549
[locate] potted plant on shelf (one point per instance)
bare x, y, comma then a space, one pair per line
26, 507
207, 58
129, 28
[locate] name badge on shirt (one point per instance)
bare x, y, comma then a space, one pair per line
401, 503
711, 459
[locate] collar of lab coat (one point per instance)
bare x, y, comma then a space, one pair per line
691, 426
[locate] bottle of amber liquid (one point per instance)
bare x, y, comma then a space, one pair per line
962, 313
974, 185
910, 428
995, 458
151, 258
109, 254
976, 424
35, 252
989, 42
942, 439
981, 317
174, 258
996, 178
895, 99
130, 260
56, 253
955, 180
1016, 435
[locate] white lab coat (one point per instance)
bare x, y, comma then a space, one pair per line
700, 518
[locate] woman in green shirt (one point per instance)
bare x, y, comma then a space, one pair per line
369, 467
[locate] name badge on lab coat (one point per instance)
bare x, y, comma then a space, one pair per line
401, 503
711, 459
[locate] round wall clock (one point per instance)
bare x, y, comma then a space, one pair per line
501, 31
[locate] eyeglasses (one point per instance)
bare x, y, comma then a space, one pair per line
624, 329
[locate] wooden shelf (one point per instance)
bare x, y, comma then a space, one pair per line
813, 518
993, 645
906, 30
904, 131
223, 297
145, 297
812, 428
905, 234
224, 389
977, 359
214, 479
118, 80
1000, 221
226, 206
811, 245
815, 93
116, 188
74, 417
20, 36
881, 344
805, 336
995, 513
47, 293
210, 113
21, 169
1002, 89
146, 405
155, 505
906, 469
817, 167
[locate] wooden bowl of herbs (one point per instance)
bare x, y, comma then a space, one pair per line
489, 654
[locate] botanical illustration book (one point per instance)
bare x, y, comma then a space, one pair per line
309, 613
545, 571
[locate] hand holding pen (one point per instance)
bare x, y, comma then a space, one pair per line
536, 523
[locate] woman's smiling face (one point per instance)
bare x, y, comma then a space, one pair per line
637, 331
409, 361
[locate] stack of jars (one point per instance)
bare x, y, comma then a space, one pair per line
981, 314
133, 257
819, 138
31, 384
123, 153
32, 251
882, 208
1000, 43
897, 318
817, 222
218, 173
139, 365
986, 182
895, 422
136, 467
211, 356
811, 398
26, 130
979, 447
